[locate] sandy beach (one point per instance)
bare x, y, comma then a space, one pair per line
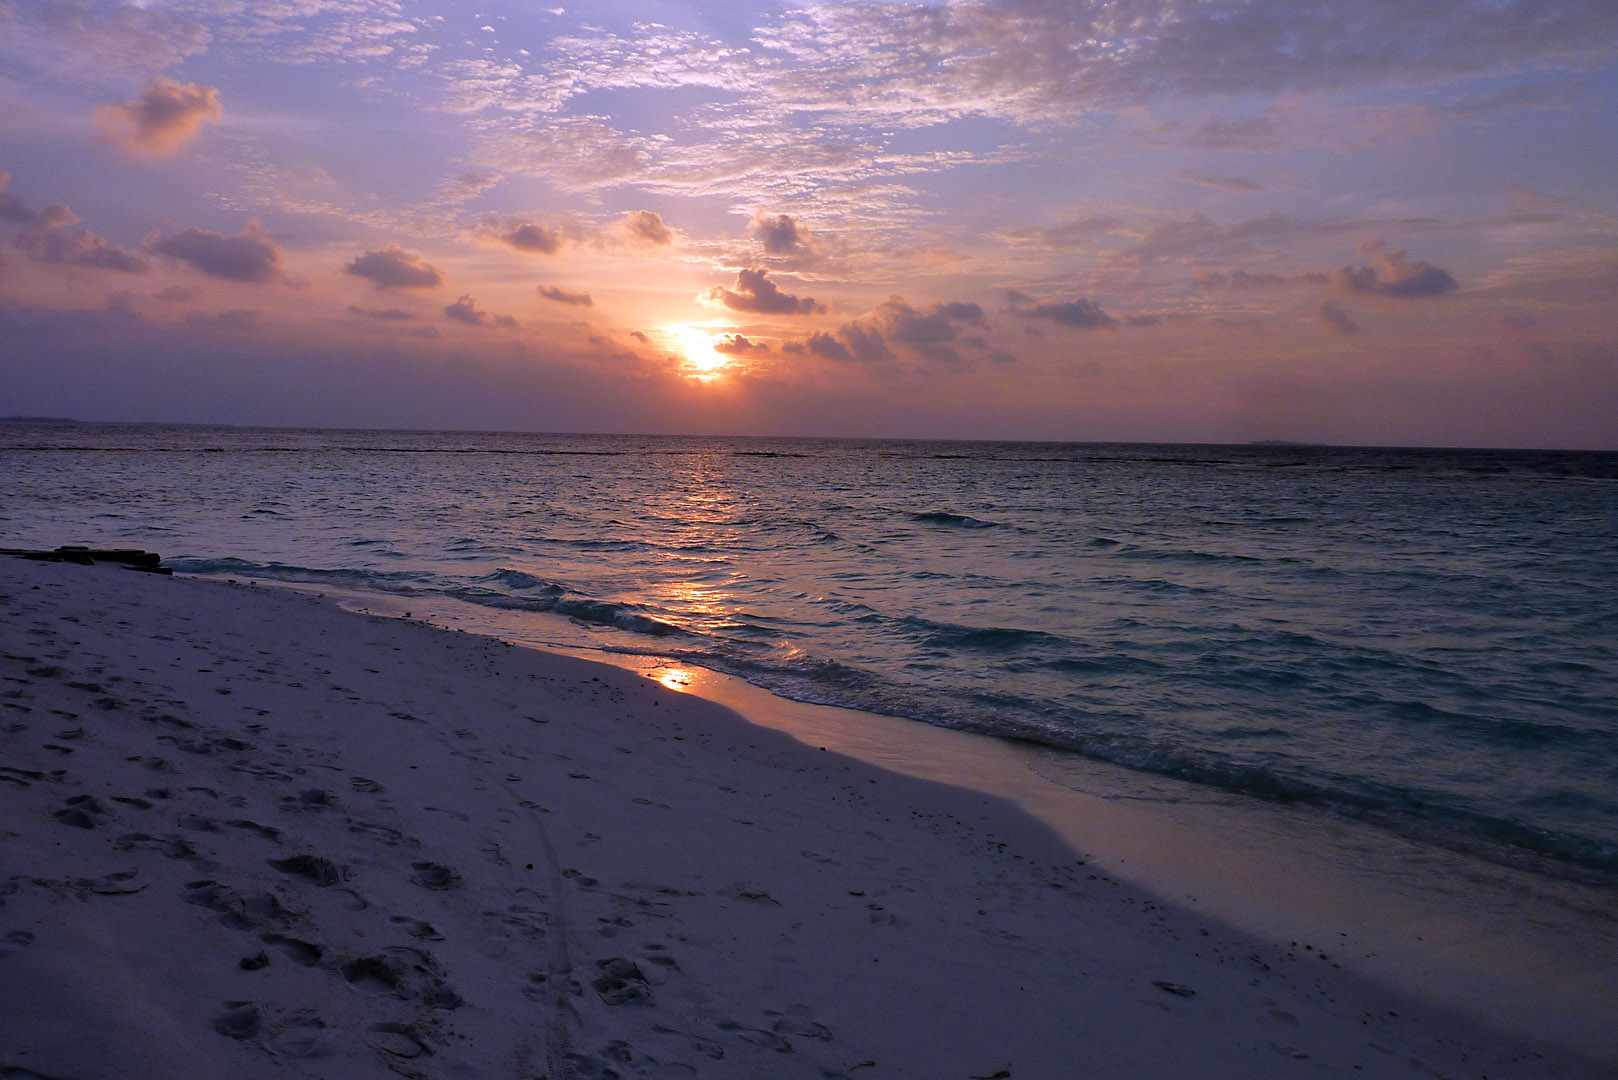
246, 833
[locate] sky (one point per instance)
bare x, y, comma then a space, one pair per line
1341, 221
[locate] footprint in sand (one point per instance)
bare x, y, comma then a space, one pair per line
416, 928
312, 868
240, 1020
303, 953
82, 812
431, 875
620, 981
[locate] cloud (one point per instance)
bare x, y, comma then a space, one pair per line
477, 181
1080, 313
1335, 318
645, 227
1245, 133
1255, 280
823, 344
95, 43
780, 235
1395, 276
1072, 234
1233, 184
900, 322
11, 207
737, 345
532, 239
565, 296
164, 118
237, 320
754, 292
382, 314
249, 256
51, 238
393, 267
852, 343
1054, 61
176, 294
575, 153
465, 310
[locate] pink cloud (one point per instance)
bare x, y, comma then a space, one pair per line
166, 117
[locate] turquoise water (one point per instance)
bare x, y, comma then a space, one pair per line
1425, 639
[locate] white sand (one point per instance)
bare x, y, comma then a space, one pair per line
243, 833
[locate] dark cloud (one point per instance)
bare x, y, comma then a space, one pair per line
1395, 276
52, 238
640, 337
780, 235
900, 322
176, 294
1080, 313
164, 118
1236, 185
533, 239
249, 256
465, 310
11, 207
737, 345
382, 314
393, 267
565, 296
754, 292
1335, 318
853, 343
823, 344
646, 227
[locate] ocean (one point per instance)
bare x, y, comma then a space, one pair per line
1422, 639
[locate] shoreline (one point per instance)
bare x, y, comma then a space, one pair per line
617, 877
1420, 919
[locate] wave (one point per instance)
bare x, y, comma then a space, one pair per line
956, 521
945, 635
517, 579
394, 581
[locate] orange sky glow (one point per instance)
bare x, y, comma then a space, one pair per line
1217, 221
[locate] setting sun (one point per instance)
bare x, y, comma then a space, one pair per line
697, 345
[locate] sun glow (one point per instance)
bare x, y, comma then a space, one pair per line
696, 343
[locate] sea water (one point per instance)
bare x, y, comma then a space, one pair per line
1424, 639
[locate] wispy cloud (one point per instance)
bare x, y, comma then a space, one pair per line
565, 296
1235, 185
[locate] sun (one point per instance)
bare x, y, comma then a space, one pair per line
696, 343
